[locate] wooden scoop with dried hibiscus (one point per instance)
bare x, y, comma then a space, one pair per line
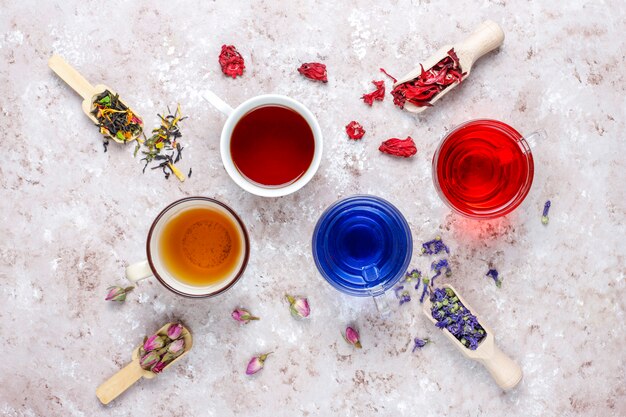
158, 351
439, 74
101, 104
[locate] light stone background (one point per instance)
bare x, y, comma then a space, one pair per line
73, 216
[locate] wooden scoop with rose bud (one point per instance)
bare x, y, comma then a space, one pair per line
134, 371
120, 129
487, 37
504, 370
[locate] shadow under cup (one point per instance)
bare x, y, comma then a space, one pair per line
215, 284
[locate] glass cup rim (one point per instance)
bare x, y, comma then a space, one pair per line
522, 192
231, 281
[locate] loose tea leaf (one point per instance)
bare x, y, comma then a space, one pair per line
314, 71
354, 130
115, 119
423, 89
378, 94
165, 138
231, 61
399, 147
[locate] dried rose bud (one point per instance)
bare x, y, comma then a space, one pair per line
174, 331
352, 337
153, 342
243, 316
314, 71
256, 363
158, 367
115, 293
299, 306
176, 347
148, 360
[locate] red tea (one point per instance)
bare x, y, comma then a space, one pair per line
272, 146
484, 168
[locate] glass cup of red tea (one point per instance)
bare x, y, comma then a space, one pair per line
271, 145
484, 169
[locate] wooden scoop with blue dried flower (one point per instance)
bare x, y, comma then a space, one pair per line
462, 325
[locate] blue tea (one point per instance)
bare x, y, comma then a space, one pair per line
362, 245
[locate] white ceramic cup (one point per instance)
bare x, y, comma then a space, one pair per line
234, 115
154, 266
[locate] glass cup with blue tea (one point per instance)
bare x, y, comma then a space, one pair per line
362, 246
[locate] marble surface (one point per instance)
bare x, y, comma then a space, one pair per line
73, 217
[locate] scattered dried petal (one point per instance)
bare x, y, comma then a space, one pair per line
355, 130
314, 71
378, 94
420, 343
435, 246
493, 274
546, 209
352, 337
399, 147
231, 61
256, 363
389, 75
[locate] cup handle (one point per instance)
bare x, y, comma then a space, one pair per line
138, 271
539, 135
381, 304
217, 102
371, 274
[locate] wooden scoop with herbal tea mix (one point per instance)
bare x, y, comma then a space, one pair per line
164, 139
101, 104
472, 337
443, 71
157, 352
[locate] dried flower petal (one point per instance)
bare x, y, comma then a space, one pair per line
243, 316
425, 281
493, 274
116, 293
399, 147
175, 331
352, 337
299, 306
402, 294
378, 94
434, 247
421, 90
546, 209
314, 71
149, 359
439, 266
389, 75
153, 342
256, 363
420, 343
452, 315
355, 130
231, 61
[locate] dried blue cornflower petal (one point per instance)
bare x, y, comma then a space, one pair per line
494, 275
402, 294
420, 343
546, 209
439, 266
435, 246
451, 314
425, 281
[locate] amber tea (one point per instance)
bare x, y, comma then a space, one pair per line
201, 246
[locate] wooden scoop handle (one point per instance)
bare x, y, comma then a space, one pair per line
487, 37
506, 372
119, 382
71, 77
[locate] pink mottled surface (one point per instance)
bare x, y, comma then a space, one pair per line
72, 217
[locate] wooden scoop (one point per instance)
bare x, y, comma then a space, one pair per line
503, 369
132, 372
487, 37
82, 87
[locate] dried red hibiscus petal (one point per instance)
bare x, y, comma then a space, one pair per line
314, 71
421, 90
399, 147
355, 130
231, 61
378, 94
